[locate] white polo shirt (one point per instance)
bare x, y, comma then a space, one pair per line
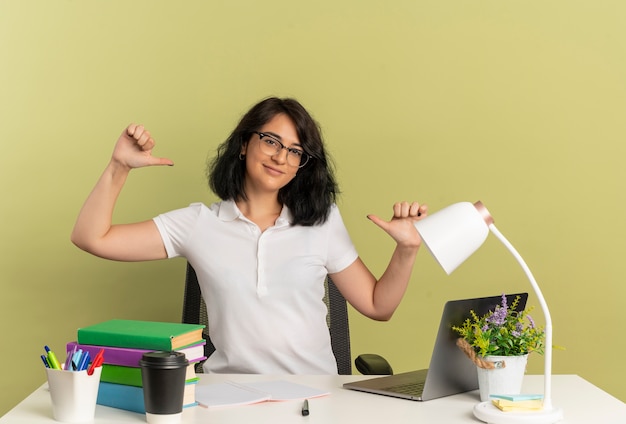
264, 290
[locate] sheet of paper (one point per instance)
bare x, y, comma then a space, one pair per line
231, 394
227, 394
285, 390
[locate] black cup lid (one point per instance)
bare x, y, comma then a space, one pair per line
163, 359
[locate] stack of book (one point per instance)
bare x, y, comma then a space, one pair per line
124, 343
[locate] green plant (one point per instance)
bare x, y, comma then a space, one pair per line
504, 331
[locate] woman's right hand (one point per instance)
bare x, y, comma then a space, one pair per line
94, 231
134, 149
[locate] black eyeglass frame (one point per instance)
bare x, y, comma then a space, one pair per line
304, 158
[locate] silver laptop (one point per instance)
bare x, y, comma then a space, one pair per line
450, 370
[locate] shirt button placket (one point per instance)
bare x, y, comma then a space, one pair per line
261, 287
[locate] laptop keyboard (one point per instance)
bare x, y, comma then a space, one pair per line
415, 389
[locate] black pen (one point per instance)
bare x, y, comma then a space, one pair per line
305, 408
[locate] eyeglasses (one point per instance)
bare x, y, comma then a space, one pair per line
272, 146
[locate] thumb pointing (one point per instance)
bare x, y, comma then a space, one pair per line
376, 220
161, 161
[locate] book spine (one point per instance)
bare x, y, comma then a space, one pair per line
131, 376
133, 341
112, 355
151, 335
130, 357
130, 398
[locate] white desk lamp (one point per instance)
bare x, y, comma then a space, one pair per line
452, 235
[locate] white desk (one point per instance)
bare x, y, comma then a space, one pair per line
581, 402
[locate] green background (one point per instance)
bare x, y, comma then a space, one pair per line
520, 104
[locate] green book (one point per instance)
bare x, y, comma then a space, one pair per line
118, 374
150, 335
131, 376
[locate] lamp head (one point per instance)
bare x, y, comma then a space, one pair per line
454, 233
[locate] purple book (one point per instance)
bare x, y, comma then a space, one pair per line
130, 357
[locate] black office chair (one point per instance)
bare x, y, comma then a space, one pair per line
194, 312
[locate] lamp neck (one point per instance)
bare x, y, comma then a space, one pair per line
484, 213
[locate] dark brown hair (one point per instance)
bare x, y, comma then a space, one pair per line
314, 189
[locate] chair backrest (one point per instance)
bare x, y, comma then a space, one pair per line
194, 312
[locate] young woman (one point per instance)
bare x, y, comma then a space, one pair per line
263, 252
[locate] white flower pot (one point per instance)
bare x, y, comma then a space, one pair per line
501, 380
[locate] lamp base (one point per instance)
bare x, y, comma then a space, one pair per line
489, 413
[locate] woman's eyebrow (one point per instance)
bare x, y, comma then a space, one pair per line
278, 137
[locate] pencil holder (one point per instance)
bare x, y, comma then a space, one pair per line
73, 394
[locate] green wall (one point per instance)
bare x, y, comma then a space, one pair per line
520, 104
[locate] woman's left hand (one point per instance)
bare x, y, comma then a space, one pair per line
401, 226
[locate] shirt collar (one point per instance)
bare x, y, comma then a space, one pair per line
284, 218
229, 212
